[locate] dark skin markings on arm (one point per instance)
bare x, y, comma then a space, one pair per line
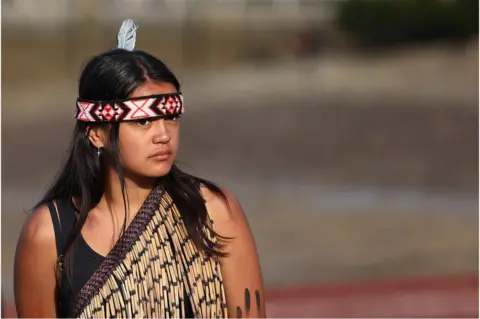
257, 299
247, 303
247, 300
239, 312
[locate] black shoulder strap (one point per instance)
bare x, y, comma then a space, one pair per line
57, 227
64, 219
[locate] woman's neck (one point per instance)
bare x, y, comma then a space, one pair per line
136, 191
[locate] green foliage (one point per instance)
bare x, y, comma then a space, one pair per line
388, 22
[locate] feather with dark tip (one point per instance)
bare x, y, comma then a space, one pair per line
127, 35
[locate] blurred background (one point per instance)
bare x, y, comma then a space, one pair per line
347, 129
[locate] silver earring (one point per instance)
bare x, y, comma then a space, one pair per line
98, 151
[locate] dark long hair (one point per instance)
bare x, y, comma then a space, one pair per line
115, 75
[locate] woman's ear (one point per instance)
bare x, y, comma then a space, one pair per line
97, 136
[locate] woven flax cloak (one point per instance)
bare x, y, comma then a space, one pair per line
147, 272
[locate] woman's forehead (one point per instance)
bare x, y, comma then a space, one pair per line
154, 88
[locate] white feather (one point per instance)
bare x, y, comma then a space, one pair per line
127, 35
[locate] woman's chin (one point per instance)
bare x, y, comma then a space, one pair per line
144, 175
159, 171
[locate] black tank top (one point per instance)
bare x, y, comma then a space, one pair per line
84, 260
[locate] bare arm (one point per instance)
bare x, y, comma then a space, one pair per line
35, 259
241, 268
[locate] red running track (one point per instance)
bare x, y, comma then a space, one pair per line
447, 296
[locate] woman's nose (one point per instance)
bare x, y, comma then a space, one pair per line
162, 135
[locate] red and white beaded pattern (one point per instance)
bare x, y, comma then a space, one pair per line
163, 105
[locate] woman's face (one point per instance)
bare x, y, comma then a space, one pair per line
148, 147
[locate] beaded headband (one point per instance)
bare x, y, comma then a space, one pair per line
131, 109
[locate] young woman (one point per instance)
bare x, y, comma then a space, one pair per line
123, 232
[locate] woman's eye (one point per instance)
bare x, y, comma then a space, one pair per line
143, 122
171, 118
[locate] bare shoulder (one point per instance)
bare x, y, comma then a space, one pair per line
225, 211
38, 228
229, 219
37, 236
